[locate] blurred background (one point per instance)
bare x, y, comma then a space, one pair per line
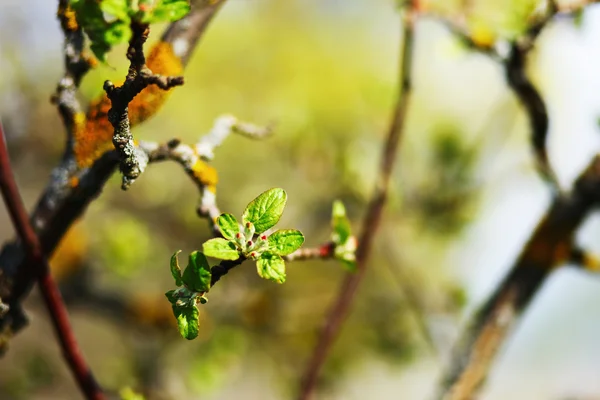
465, 198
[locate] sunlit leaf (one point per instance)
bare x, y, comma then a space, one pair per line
197, 275
228, 226
265, 210
285, 241
187, 321
271, 266
340, 225
221, 248
175, 269
167, 11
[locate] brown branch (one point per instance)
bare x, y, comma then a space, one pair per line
514, 65
38, 268
62, 202
529, 96
336, 316
550, 245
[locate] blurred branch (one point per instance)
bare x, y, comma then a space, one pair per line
38, 269
133, 163
74, 185
185, 33
77, 64
584, 259
529, 96
514, 64
550, 245
336, 316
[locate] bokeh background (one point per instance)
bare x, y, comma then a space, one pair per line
465, 197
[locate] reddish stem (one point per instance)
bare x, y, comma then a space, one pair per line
40, 269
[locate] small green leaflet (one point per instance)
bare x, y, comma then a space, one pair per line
165, 11
340, 224
103, 33
175, 269
228, 226
285, 241
107, 22
187, 321
221, 248
265, 210
271, 266
197, 274
171, 296
341, 236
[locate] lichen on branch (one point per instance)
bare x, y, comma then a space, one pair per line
139, 76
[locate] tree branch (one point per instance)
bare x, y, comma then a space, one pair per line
73, 186
336, 316
77, 64
138, 78
550, 245
514, 65
38, 269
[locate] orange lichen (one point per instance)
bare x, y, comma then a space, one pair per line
66, 15
94, 138
74, 181
206, 175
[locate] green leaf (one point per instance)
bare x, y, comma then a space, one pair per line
187, 321
349, 265
175, 269
197, 274
271, 266
167, 11
221, 248
340, 224
285, 241
346, 253
118, 9
128, 394
228, 226
103, 33
265, 210
171, 296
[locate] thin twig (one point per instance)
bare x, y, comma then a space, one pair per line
323, 252
38, 267
343, 302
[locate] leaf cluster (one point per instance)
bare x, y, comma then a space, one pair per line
107, 22
238, 243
